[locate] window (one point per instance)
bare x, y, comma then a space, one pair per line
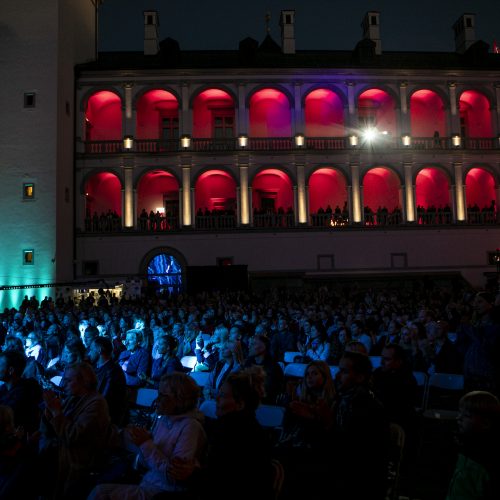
223, 126
373, 20
288, 19
169, 128
468, 22
28, 257
29, 99
28, 190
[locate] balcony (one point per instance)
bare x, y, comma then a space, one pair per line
153, 146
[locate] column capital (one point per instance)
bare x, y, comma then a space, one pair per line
403, 84
350, 83
452, 85
128, 85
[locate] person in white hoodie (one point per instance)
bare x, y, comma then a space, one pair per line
177, 439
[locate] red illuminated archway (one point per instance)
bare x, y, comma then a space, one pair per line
103, 117
376, 108
158, 191
427, 114
475, 115
481, 196
432, 190
324, 114
157, 116
103, 196
215, 190
381, 196
269, 114
213, 115
327, 187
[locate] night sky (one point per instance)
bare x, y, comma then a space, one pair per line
319, 24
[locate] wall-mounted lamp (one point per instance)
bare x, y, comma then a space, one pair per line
185, 141
128, 142
299, 140
456, 140
353, 140
406, 139
243, 141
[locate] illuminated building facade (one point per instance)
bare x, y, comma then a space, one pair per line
40, 44
303, 164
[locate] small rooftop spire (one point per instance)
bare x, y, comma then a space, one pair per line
268, 20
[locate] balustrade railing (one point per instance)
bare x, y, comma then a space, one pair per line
287, 144
157, 223
215, 222
274, 220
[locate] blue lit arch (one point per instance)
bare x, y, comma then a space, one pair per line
164, 269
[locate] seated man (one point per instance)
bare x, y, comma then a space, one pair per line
135, 360
360, 432
23, 395
110, 379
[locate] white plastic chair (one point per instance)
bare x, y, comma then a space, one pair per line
295, 370
188, 361
289, 356
201, 378
443, 393
270, 415
208, 408
376, 361
56, 380
145, 397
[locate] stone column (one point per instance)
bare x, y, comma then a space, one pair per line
405, 117
187, 214
454, 111
244, 205
356, 195
301, 192
459, 192
128, 197
409, 198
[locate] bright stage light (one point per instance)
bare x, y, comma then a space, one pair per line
370, 134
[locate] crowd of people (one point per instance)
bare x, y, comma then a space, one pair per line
81, 438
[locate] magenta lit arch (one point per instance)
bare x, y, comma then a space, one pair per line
327, 186
215, 190
103, 117
480, 188
381, 188
432, 188
427, 114
475, 114
272, 187
157, 189
376, 108
269, 114
157, 115
213, 114
324, 114
103, 193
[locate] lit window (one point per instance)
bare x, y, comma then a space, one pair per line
29, 99
28, 257
28, 190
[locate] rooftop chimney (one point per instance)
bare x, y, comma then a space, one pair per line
151, 36
287, 24
465, 32
371, 30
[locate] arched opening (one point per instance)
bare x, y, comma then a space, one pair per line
215, 200
481, 197
475, 116
158, 201
103, 122
427, 117
157, 120
328, 198
213, 115
165, 273
376, 109
432, 189
272, 199
324, 114
381, 197
103, 202
270, 114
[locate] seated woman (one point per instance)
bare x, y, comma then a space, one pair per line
177, 442
309, 412
231, 360
317, 347
166, 363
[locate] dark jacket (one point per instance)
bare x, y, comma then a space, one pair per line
112, 385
